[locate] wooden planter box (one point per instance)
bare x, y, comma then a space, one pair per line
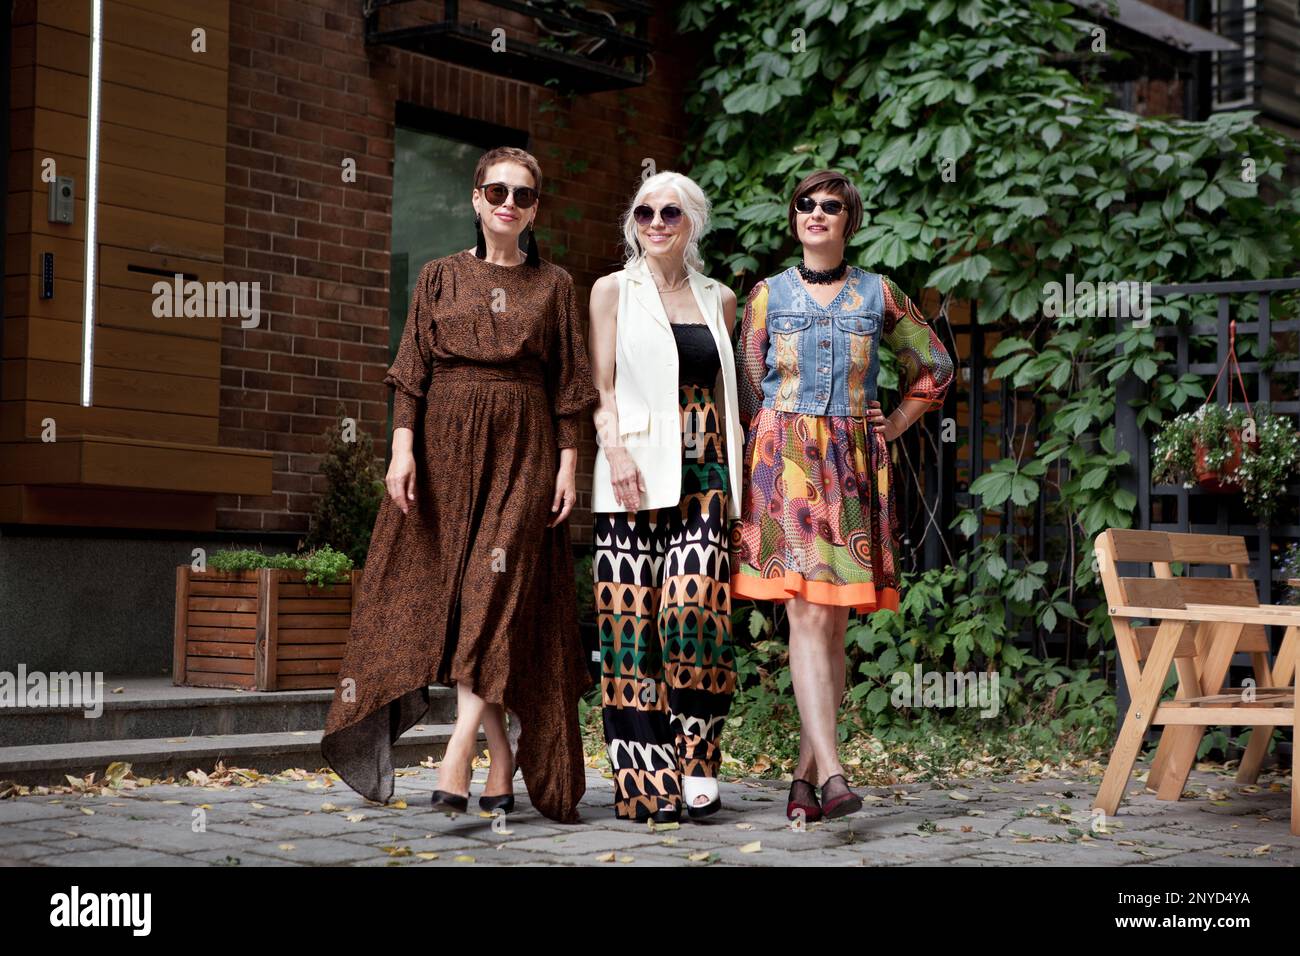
259, 630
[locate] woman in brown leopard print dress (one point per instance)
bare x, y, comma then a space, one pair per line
469, 577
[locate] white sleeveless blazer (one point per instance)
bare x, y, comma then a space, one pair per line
645, 392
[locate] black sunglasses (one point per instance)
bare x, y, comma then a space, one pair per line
806, 204
496, 194
644, 215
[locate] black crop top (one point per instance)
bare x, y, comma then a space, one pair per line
697, 354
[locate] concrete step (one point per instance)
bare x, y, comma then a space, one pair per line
47, 764
145, 708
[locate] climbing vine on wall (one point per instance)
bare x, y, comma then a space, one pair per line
989, 170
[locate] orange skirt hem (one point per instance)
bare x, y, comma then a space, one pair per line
861, 597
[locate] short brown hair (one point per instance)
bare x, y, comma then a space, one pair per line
511, 155
832, 182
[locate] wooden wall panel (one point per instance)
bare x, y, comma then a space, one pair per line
163, 31
124, 463
55, 341
116, 508
41, 381
21, 422
161, 210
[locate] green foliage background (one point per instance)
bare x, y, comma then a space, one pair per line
1049, 180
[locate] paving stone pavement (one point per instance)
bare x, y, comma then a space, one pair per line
988, 822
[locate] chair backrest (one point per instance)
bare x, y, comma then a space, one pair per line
1161, 549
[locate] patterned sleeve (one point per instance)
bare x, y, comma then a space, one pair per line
409, 374
926, 365
751, 354
569, 371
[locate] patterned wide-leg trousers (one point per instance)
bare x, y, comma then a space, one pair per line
663, 605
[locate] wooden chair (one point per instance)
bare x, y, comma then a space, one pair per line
1198, 624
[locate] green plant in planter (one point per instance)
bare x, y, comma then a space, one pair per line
345, 512
322, 567
1264, 467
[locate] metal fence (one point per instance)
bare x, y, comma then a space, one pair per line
993, 420
1271, 374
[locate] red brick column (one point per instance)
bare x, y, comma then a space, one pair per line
306, 93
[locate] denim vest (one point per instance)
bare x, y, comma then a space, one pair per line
823, 360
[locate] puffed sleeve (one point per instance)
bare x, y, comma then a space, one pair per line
926, 364
751, 354
568, 372
409, 374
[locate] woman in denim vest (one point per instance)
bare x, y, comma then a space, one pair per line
817, 514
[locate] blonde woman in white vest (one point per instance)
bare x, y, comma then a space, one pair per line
668, 459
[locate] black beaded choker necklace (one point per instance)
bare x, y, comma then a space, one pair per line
824, 276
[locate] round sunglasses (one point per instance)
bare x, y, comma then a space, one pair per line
644, 215
496, 194
806, 204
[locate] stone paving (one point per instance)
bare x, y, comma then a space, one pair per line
962, 823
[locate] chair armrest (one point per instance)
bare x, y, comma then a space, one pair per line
1281, 614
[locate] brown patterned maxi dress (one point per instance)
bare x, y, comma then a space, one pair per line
471, 585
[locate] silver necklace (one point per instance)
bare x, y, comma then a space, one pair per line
674, 288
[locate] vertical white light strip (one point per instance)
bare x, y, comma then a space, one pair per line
92, 196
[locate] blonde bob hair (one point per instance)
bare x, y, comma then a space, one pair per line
695, 208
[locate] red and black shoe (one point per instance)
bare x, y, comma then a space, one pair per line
803, 797
841, 801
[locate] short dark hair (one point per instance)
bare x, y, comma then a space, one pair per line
508, 154
832, 182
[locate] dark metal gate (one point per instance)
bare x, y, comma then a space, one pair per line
1271, 374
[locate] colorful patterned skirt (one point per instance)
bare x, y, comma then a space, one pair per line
817, 513
664, 612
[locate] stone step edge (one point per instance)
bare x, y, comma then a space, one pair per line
200, 699
98, 754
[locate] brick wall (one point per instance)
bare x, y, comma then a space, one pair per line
305, 93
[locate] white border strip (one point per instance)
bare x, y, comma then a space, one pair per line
92, 197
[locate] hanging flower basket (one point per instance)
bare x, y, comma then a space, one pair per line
1206, 447
1224, 478
1230, 449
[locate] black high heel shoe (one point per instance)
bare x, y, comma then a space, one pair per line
505, 802
445, 802
668, 814
672, 814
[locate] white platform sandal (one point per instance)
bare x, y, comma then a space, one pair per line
695, 787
